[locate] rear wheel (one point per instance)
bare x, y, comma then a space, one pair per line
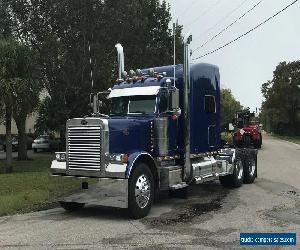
250, 168
247, 141
35, 150
71, 206
236, 178
140, 191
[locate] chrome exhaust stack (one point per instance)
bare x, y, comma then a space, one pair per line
119, 48
188, 169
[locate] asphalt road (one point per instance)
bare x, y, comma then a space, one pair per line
212, 217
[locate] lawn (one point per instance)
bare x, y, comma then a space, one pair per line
294, 139
30, 187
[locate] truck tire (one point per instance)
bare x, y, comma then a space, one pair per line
71, 206
34, 150
140, 191
250, 168
260, 142
235, 179
247, 141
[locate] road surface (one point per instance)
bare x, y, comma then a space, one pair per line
211, 218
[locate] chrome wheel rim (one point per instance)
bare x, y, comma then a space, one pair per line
252, 166
239, 169
142, 191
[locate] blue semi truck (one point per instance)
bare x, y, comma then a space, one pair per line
162, 133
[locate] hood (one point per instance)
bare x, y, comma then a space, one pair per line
127, 135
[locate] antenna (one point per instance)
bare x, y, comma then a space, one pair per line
174, 48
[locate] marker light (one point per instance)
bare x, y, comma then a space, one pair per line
159, 77
134, 79
139, 72
125, 158
151, 72
132, 73
124, 74
118, 81
118, 158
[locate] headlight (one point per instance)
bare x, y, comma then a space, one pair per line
60, 156
118, 158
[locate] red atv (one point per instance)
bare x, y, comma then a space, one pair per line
247, 131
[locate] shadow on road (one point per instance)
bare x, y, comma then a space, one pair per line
168, 210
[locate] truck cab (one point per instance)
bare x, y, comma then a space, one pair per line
162, 133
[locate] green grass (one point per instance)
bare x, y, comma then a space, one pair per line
30, 187
294, 139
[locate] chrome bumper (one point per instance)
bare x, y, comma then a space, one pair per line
112, 170
99, 191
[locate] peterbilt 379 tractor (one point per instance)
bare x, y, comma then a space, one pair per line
247, 131
162, 134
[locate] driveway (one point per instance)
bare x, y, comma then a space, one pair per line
211, 218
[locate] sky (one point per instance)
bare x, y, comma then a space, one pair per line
249, 62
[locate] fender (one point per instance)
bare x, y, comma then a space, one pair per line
133, 158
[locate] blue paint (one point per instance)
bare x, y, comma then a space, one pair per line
205, 80
129, 134
131, 160
132, 134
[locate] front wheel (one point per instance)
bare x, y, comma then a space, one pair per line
71, 206
236, 178
140, 191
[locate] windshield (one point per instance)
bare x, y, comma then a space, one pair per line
133, 105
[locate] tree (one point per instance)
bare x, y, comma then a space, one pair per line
281, 106
229, 105
64, 30
26, 90
19, 90
7, 77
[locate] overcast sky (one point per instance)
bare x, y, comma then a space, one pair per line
249, 62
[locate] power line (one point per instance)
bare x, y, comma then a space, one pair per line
248, 32
206, 11
224, 18
228, 26
184, 12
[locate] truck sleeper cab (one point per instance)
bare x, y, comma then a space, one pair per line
140, 149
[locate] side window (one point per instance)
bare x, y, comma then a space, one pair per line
210, 104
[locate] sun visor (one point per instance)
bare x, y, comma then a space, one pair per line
149, 90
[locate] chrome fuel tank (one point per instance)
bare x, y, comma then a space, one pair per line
161, 140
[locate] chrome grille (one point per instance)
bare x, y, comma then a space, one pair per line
84, 148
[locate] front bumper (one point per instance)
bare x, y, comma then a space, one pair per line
110, 192
111, 170
98, 191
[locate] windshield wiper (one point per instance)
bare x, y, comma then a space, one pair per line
118, 114
138, 112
